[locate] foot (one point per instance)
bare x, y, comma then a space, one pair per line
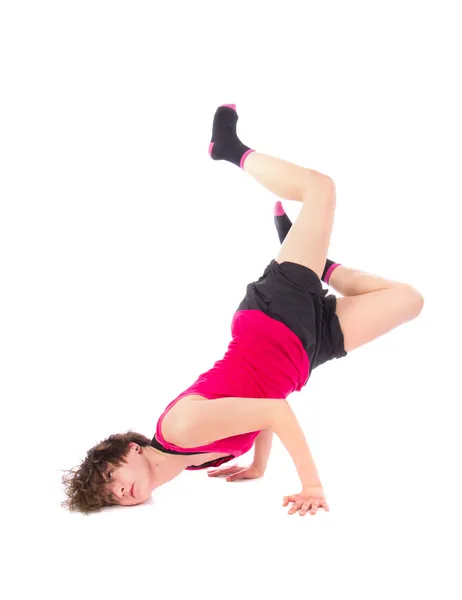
225, 145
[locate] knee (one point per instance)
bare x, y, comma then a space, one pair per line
414, 298
419, 302
326, 180
319, 178
329, 185
332, 193
329, 181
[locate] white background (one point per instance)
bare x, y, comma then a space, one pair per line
124, 251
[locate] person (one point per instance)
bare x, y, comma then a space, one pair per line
286, 326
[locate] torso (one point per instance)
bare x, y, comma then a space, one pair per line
169, 419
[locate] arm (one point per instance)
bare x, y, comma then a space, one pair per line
205, 421
288, 430
263, 443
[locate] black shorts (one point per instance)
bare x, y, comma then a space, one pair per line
293, 294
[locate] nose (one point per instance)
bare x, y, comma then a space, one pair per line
122, 491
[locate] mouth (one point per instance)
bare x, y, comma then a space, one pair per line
132, 491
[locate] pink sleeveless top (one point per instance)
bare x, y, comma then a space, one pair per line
264, 359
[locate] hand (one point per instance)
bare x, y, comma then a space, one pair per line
309, 497
236, 472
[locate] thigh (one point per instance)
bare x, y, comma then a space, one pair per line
309, 237
368, 316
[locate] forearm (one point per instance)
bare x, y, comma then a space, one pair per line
287, 428
263, 443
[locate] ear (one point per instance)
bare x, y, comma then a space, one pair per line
134, 446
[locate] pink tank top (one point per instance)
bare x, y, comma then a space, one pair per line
264, 359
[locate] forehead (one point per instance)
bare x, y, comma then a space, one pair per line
122, 462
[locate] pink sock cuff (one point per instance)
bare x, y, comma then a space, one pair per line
244, 156
330, 270
279, 209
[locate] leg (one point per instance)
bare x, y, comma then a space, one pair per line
308, 239
373, 305
353, 282
345, 280
368, 316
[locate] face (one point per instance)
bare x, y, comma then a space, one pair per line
136, 472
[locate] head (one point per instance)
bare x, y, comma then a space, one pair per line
107, 474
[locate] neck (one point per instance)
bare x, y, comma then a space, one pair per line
165, 467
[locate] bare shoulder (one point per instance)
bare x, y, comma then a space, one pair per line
174, 419
193, 397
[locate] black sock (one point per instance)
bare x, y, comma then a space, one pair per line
283, 225
225, 145
282, 221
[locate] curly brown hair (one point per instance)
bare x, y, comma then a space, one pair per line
85, 485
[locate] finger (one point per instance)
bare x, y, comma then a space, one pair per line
224, 471
295, 507
314, 508
304, 509
213, 473
238, 475
288, 499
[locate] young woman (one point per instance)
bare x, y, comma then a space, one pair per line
285, 326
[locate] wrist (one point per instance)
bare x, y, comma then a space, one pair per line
259, 466
312, 485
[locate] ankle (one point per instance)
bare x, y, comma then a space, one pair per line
328, 270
